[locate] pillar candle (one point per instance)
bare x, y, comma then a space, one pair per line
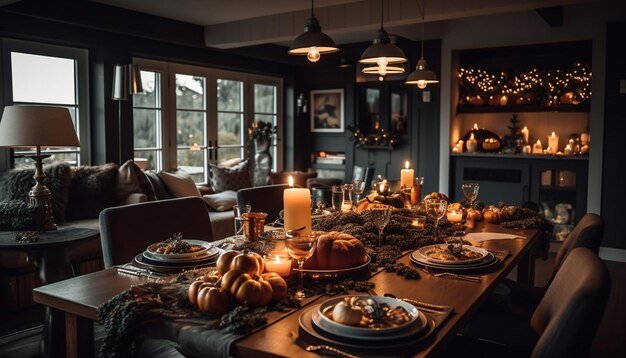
279, 263
525, 134
527, 149
459, 146
584, 138
567, 150
297, 209
406, 176
454, 216
537, 147
553, 143
471, 144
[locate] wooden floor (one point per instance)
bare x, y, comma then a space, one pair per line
21, 339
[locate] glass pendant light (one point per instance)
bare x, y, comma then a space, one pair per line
422, 76
382, 53
312, 42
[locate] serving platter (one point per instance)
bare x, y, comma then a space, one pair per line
322, 318
208, 254
425, 250
152, 249
308, 325
322, 274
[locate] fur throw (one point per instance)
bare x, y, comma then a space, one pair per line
19, 215
92, 190
16, 183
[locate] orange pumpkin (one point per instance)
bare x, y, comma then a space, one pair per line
245, 288
474, 215
336, 250
248, 262
213, 300
224, 261
194, 289
279, 286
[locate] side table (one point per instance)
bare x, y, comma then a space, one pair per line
49, 255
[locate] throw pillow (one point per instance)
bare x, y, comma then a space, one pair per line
223, 201
131, 179
159, 188
16, 183
19, 215
233, 178
179, 184
92, 190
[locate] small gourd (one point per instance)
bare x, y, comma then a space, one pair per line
346, 312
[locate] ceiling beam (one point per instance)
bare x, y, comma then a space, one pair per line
553, 16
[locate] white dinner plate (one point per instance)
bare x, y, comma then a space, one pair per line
206, 246
488, 261
322, 320
423, 251
307, 324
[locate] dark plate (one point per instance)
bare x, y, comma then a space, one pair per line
171, 267
320, 274
489, 262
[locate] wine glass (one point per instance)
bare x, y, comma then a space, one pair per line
301, 248
239, 210
470, 190
436, 209
380, 218
358, 188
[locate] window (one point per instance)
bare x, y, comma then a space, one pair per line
47, 75
201, 116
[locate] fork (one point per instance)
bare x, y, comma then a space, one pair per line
455, 275
312, 348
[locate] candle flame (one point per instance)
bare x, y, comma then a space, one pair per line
291, 181
553, 134
538, 142
406, 164
472, 136
524, 129
475, 126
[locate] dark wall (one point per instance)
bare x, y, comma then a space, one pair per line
113, 35
421, 143
613, 193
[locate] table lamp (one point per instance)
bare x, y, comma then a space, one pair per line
38, 126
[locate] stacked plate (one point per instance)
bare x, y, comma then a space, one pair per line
482, 260
317, 322
177, 262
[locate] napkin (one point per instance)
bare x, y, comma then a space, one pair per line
476, 237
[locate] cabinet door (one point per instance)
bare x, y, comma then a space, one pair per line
500, 180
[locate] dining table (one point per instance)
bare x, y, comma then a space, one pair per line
78, 299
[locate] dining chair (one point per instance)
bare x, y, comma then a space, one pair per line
358, 172
564, 323
267, 199
127, 230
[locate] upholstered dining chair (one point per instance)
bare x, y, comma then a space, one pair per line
564, 323
127, 230
358, 172
587, 233
267, 199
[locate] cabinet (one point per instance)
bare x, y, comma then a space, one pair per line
518, 180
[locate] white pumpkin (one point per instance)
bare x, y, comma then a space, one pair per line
347, 313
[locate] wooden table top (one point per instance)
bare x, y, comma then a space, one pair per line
82, 296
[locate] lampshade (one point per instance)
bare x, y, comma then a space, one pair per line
32, 126
312, 42
126, 80
422, 76
382, 47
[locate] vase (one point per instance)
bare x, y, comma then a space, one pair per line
262, 161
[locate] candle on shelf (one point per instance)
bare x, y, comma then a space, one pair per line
567, 150
455, 149
526, 149
419, 222
297, 209
454, 216
537, 147
584, 138
459, 146
475, 126
553, 143
471, 144
525, 134
406, 176
504, 100
279, 262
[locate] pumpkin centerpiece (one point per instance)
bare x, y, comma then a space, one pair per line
335, 251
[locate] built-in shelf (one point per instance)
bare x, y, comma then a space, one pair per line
584, 107
329, 166
521, 156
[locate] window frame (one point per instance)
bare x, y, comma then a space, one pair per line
81, 56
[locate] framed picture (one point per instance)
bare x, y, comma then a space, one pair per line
327, 111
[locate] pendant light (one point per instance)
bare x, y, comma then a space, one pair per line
382, 53
312, 42
422, 76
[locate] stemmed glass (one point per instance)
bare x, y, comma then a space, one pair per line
436, 209
380, 218
358, 188
301, 248
470, 190
239, 210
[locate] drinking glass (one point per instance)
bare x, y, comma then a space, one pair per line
380, 218
436, 209
239, 210
359, 187
301, 248
470, 190
337, 197
346, 204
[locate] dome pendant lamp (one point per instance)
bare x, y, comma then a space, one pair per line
312, 42
382, 53
421, 76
